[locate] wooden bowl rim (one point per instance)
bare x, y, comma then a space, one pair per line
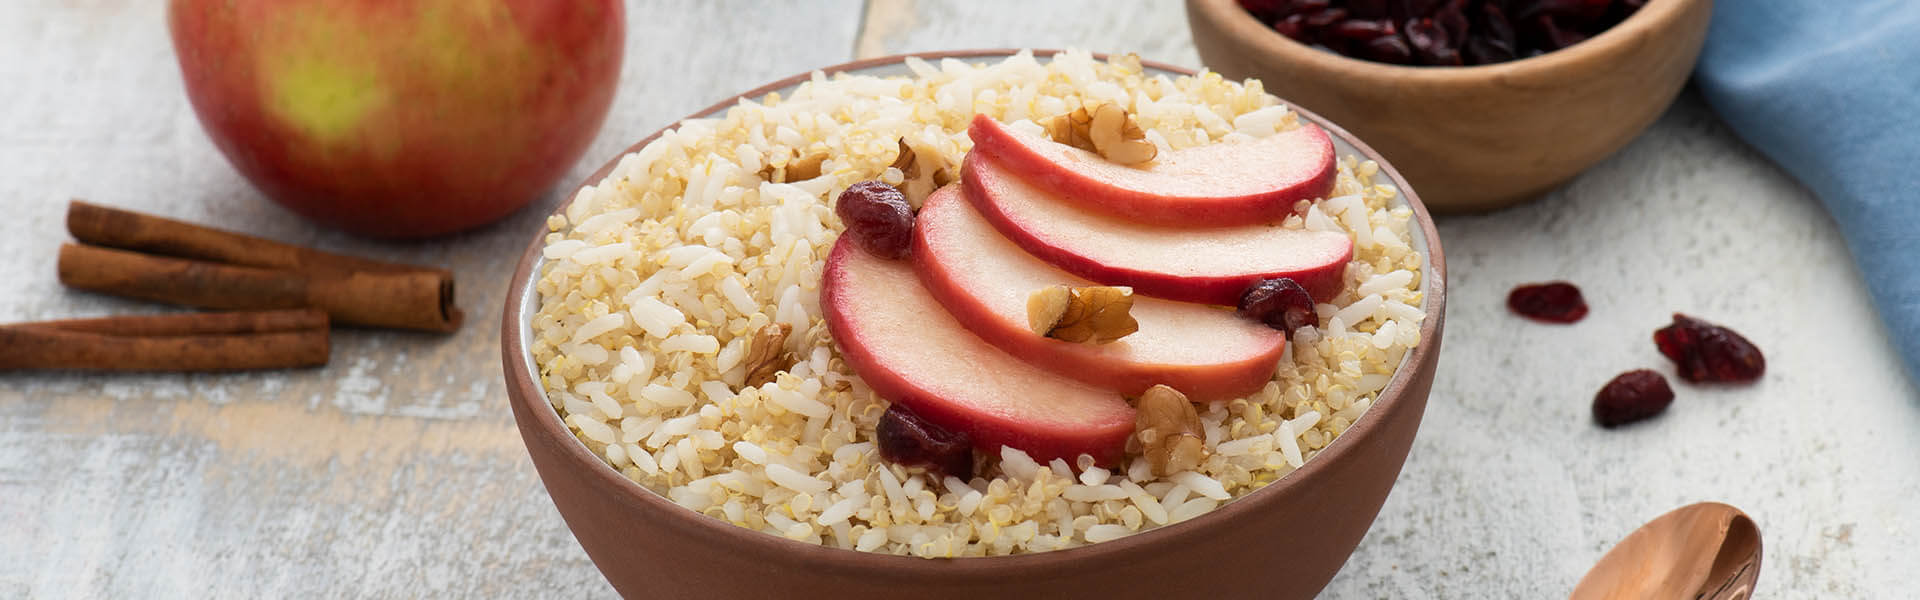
824, 560
1571, 62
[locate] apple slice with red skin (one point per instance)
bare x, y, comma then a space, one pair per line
906, 346
1220, 184
983, 280
1208, 265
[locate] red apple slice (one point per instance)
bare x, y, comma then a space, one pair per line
909, 350
1211, 265
1234, 183
1206, 352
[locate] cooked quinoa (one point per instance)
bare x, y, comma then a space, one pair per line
657, 277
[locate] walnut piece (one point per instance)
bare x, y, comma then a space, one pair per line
766, 353
1105, 129
805, 167
1116, 137
799, 168
1169, 431
921, 172
1097, 314
1045, 306
1071, 128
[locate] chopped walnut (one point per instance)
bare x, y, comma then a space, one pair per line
1045, 306
797, 168
1118, 138
1096, 314
805, 167
921, 172
1169, 431
766, 353
1105, 129
1071, 128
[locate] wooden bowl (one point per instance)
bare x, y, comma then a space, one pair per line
1286, 540
1483, 137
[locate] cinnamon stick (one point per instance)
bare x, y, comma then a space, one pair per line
209, 323
351, 289
190, 342
416, 299
127, 230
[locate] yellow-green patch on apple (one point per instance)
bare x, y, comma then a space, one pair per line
325, 96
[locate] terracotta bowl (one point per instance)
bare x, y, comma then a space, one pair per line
1484, 137
1287, 539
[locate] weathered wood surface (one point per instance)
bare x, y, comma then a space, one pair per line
396, 471
393, 472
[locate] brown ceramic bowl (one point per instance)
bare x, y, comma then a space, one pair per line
1285, 540
1484, 137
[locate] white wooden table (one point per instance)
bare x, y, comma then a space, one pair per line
396, 471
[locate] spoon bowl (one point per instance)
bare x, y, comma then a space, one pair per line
1708, 551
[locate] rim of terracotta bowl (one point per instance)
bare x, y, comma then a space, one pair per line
522, 389
1240, 25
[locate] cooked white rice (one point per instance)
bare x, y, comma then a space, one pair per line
657, 277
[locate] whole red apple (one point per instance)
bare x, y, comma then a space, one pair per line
400, 118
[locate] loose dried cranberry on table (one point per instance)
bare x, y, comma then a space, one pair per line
907, 439
878, 217
1441, 32
1704, 352
1552, 302
1631, 396
1280, 302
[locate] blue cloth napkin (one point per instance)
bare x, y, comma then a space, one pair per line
1830, 90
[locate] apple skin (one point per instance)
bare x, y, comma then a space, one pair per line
1208, 266
1216, 185
400, 118
905, 346
1206, 352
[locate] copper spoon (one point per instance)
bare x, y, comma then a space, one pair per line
1705, 551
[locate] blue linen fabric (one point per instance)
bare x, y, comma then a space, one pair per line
1830, 90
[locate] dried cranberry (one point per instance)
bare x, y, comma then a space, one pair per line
1495, 26
1632, 396
1430, 43
907, 439
1553, 302
1496, 41
1705, 352
1293, 26
1545, 33
1326, 17
1391, 49
1281, 303
1481, 51
1362, 30
878, 217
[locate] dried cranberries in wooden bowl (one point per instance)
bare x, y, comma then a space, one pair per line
1481, 103
1441, 32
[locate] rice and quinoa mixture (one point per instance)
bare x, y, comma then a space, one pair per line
657, 277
